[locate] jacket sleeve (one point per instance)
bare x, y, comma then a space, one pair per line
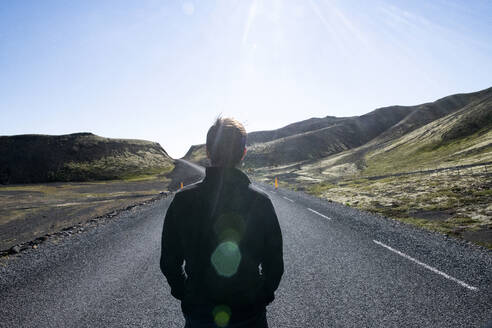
273, 263
171, 251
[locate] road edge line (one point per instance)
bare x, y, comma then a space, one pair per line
445, 275
310, 209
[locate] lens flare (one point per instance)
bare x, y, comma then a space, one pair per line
222, 314
229, 226
226, 258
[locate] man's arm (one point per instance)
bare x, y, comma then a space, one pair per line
273, 262
172, 253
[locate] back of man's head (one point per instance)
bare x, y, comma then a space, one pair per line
226, 141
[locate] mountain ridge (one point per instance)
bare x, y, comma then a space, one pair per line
83, 156
296, 143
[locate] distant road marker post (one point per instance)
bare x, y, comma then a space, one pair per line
276, 183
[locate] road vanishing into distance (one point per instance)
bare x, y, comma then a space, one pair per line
343, 268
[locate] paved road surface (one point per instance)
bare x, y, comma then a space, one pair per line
343, 268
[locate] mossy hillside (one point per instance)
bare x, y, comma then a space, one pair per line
144, 165
197, 154
319, 189
464, 137
78, 157
431, 155
447, 202
353, 141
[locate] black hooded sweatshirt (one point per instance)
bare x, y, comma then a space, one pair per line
228, 236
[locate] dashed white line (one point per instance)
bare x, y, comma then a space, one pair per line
462, 283
290, 200
319, 213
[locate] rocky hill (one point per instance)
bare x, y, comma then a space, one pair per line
311, 124
319, 138
78, 157
197, 154
462, 137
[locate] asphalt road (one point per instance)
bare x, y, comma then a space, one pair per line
343, 268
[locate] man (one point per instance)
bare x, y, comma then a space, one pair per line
228, 235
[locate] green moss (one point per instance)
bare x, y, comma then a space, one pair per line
134, 168
42, 188
414, 221
358, 181
439, 226
484, 244
413, 156
487, 192
462, 220
319, 188
149, 174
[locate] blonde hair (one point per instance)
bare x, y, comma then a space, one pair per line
226, 140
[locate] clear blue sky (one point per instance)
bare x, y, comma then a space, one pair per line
163, 70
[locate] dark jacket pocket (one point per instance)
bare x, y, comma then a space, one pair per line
263, 297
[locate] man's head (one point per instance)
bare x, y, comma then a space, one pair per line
226, 142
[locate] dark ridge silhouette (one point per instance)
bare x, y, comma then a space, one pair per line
35, 158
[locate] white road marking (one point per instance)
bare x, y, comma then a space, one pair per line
290, 200
464, 284
319, 213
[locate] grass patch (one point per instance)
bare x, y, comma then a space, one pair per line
439, 226
462, 221
483, 192
484, 244
319, 188
150, 174
358, 181
112, 168
412, 156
